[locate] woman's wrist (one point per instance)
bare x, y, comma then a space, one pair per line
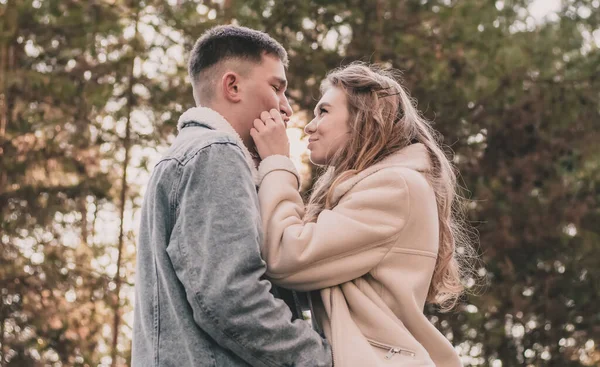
277, 162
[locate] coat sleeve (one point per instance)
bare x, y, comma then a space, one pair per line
344, 243
216, 255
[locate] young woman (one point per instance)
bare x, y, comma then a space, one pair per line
379, 235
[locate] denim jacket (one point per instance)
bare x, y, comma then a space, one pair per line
200, 295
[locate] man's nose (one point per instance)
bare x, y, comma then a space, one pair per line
285, 109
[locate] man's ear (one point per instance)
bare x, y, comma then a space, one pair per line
230, 83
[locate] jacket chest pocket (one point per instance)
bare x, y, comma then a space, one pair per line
391, 353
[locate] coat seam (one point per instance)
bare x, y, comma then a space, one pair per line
156, 307
415, 252
359, 250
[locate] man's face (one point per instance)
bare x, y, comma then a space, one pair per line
265, 88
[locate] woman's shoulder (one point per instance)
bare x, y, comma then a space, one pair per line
405, 168
384, 176
408, 176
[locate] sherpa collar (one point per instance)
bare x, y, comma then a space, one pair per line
216, 121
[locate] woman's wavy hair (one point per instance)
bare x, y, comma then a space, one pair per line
383, 120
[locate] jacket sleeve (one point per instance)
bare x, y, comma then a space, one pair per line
215, 252
344, 243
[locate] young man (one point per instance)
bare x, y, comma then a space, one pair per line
200, 296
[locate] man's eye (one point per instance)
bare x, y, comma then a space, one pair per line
322, 111
276, 88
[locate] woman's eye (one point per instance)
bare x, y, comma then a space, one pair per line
322, 111
275, 87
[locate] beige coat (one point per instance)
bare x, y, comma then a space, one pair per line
372, 256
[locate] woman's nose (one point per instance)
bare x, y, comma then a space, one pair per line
310, 128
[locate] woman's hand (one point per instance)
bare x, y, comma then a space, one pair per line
269, 134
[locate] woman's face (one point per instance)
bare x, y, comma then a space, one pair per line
328, 131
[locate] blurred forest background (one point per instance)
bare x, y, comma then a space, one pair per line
90, 92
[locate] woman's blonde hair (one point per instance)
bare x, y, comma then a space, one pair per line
382, 121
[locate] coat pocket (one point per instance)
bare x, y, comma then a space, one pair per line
391, 350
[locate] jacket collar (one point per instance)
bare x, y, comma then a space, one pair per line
216, 121
414, 156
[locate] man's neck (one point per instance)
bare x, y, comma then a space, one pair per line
232, 118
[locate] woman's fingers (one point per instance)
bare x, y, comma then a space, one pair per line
269, 134
269, 120
276, 116
259, 125
266, 117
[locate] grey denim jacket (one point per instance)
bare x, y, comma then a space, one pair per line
200, 296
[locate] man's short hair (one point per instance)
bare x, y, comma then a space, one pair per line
229, 42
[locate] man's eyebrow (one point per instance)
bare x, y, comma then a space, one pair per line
282, 82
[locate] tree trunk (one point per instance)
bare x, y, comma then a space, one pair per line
3, 112
378, 38
2, 343
227, 11
84, 221
123, 199
7, 62
3, 83
93, 225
